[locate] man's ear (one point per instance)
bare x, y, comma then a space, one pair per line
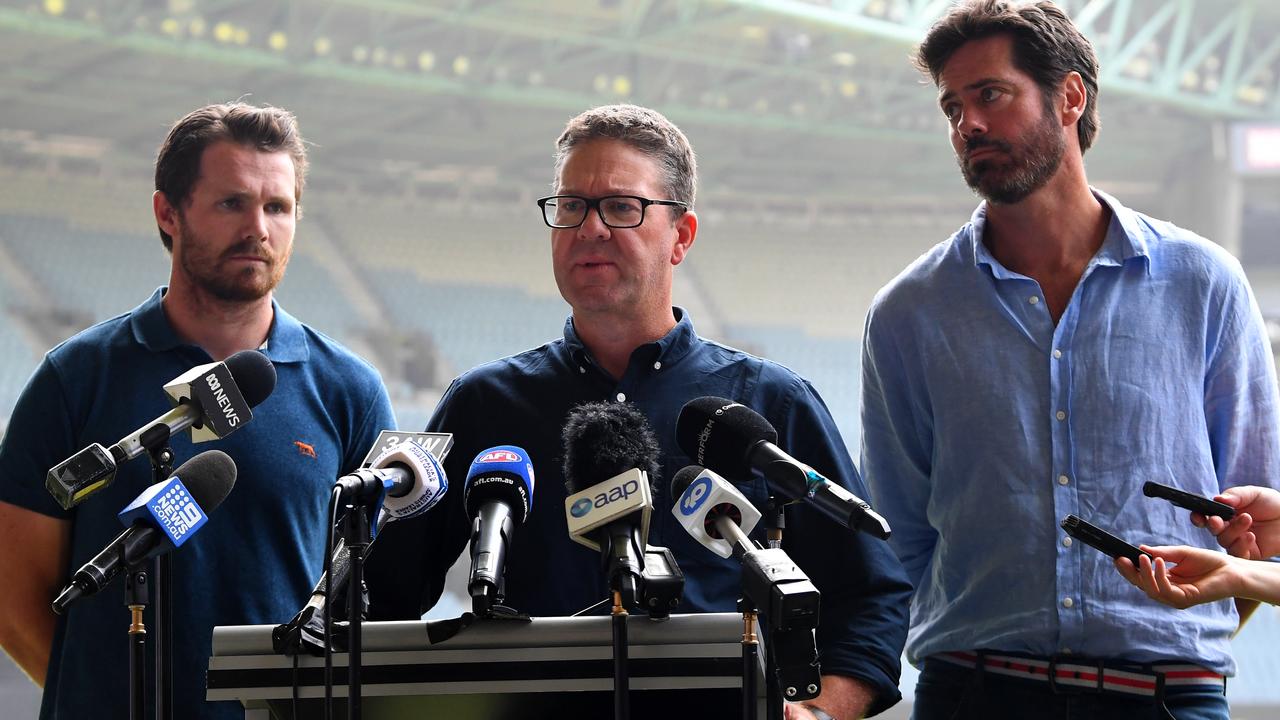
686, 231
1075, 97
167, 216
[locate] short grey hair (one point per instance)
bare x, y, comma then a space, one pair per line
645, 130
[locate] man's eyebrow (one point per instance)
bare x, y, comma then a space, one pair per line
975, 85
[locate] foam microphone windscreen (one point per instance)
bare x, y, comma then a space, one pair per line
684, 477
719, 433
254, 374
602, 440
209, 477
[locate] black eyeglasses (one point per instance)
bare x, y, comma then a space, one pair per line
616, 211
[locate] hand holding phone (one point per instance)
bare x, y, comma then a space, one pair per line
1183, 499
1100, 539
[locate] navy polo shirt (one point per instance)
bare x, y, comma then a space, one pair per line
261, 551
524, 399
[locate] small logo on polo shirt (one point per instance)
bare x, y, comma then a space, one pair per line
305, 448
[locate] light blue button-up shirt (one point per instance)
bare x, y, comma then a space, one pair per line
984, 425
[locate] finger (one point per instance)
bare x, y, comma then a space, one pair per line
1172, 553
1146, 578
1127, 569
1239, 496
1246, 547
1163, 586
1229, 497
1197, 519
1233, 530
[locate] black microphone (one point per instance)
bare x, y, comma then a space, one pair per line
213, 399
498, 495
610, 454
161, 518
733, 439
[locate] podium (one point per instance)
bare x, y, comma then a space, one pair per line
686, 666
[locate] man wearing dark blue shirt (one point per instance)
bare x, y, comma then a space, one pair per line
622, 220
228, 182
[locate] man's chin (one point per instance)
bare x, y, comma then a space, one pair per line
240, 290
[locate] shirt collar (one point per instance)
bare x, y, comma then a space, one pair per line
286, 341
1126, 238
667, 349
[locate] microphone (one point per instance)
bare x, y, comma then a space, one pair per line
404, 481
214, 400
712, 510
163, 517
612, 441
498, 496
734, 439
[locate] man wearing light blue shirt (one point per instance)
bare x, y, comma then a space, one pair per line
1046, 360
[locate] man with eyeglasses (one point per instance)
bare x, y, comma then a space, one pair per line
622, 218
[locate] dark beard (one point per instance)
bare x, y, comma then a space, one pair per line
1025, 168
231, 289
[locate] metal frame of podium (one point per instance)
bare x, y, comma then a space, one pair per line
499, 669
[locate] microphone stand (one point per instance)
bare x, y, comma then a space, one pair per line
775, 522
136, 600
621, 681
750, 657
161, 456
358, 535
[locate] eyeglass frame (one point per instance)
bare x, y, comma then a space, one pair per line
595, 203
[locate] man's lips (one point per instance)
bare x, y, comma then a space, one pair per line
983, 151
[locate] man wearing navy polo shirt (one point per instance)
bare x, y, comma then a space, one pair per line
1049, 358
228, 182
622, 219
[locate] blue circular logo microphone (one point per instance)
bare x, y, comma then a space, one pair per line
694, 496
580, 508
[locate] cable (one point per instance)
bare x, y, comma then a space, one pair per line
589, 608
328, 607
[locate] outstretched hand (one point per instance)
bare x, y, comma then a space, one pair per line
1198, 575
1254, 532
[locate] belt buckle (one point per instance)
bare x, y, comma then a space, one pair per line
1058, 689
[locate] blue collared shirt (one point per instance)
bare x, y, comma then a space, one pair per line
984, 425
523, 400
260, 553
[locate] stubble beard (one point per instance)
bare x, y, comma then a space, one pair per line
248, 284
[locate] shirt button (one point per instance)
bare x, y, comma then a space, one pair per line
1063, 480
622, 397
1061, 415
581, 369
657, 365
1067, 602
1033, 300
1066, 541
1057, 354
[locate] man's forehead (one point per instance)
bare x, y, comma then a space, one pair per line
609, 164
229, 166
984, 58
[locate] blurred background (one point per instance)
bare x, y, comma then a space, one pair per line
825, 169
